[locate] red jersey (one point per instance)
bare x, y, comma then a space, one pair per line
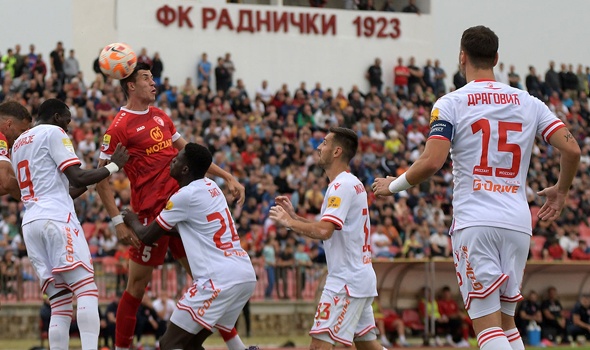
401, 74
447, 307
4, 154
148, 137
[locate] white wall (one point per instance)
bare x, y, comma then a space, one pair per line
530, 31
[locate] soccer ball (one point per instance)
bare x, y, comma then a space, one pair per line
117, 60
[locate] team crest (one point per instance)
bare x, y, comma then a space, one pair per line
68, 144
334, 202
106, 141
169, 205
434, 115
159, 120
3, 148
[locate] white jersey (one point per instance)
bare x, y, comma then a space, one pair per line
348, 251
39, 157
492, 129
208, 234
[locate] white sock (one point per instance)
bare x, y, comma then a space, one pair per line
87, 315
402, 339
514, 338
493, 338
235, 343
59, 324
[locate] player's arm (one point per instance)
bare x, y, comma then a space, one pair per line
430, 161
313, 229
8, 182
79, 177
76, 192
285, 203
235, 188
147, 234
567, 145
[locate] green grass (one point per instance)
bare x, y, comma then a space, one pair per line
215, 342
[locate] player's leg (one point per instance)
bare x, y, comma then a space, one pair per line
480, 278
513, 256
196, 343
139, 277
61, 318
232, 305
86, 292
177, 338
231, 338
365, 335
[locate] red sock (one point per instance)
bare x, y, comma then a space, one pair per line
228, 335
126, 319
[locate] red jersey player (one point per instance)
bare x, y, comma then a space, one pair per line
14, 120
152, 142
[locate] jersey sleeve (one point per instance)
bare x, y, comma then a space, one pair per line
4, 154
170, 124
548, 122
115, 134
338, 200
61, 149
175, 211
441, 121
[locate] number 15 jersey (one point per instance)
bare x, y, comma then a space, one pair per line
492, 129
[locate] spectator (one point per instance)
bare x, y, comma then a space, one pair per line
269, 255
147, 321
501, 74
164, 306
514, 78
264, 92
388, 6
439, 243
528, 311
411, 7
374, 75
439, 78
580, 252
203, 70
57, 62
554, 322
458, 326
552, 80
302, 264
285, 263
459, 80
381, 243
9, 271
580, 324
71, 66
157, 68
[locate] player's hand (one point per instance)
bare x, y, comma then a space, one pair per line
237, 190
285, 203
125, 234
552, 207
120, 156
279, 215
381, 186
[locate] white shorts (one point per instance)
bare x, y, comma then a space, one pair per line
490, 264
343, 319
58, 252
204, 306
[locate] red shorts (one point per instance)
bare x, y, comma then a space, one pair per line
154, 255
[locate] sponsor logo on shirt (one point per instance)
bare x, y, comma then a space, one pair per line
68, 144
489, 186
334, 202
140, 128
159, 120
434, 115
169, 205
3, 148
157, 135
106, 141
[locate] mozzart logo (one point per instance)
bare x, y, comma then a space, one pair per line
157, 135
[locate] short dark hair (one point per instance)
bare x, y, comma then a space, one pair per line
131, 78
198, 159
13, 109
347, 139
50, 107
480, 43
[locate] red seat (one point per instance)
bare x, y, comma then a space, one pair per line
412, 320
537, 243
89, 228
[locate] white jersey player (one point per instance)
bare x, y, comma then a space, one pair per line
344, 314
46, 165
224, 278
490, 129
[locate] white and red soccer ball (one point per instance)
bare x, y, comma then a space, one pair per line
117, 60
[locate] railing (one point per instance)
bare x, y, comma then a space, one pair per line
169, 277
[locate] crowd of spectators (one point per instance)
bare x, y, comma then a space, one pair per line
267, 139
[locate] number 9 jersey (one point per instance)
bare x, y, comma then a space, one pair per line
492, 129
